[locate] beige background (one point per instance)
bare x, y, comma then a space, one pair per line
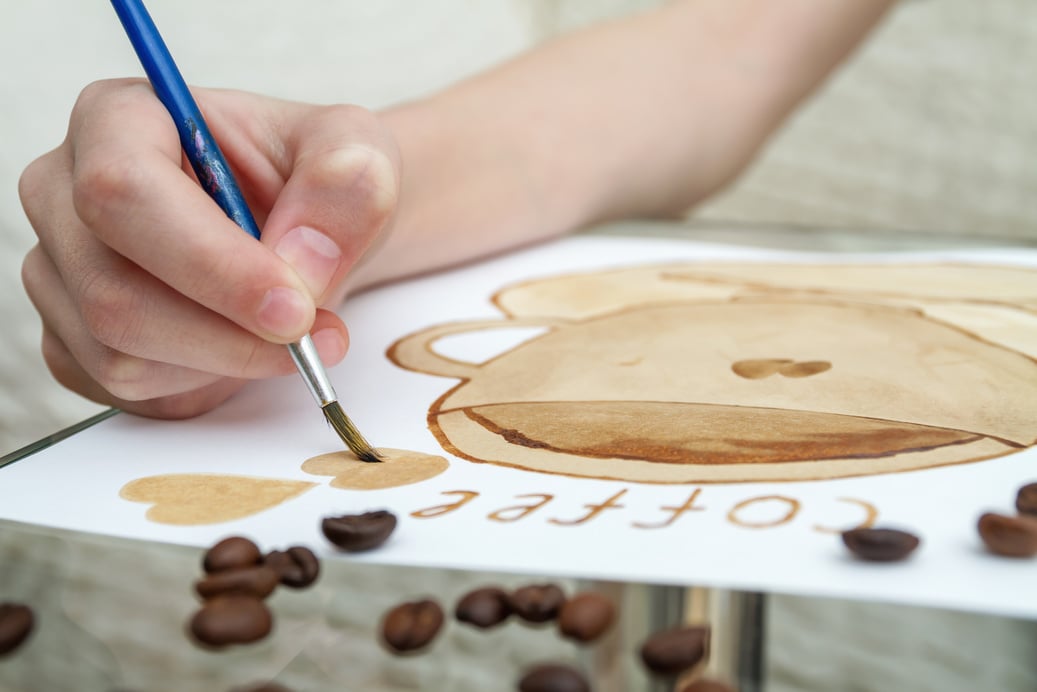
932, 127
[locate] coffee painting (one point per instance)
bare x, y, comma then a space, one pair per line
698, 373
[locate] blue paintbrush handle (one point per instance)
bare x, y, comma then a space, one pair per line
202, 151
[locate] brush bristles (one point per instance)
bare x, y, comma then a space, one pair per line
338, 420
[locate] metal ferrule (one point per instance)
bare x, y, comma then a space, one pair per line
304, 353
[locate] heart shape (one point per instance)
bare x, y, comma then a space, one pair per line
190, 499
398, 467
758, 369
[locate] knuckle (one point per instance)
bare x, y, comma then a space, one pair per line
102, 92
92, 93
111, 310
369, 167
176, 407
31, 184
124, 377
357, 116
368, 175
32, 271
102, 185
380, 185
57, 359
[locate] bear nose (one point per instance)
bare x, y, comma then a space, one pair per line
759, 368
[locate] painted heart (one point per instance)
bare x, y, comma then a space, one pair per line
757, 369
190, 499
398, 467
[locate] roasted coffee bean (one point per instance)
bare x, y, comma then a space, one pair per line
231, 619
356, 532
880, 545
1026, 500
586, 616
231, 553
412, 626
16, 623
484, 607
297, 567
553, 678
705, 685
537, 602
259, 581
674, 651
1009, 536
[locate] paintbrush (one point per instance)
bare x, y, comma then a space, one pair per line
215, 177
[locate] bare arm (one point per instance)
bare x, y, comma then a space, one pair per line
158, 305
644, 116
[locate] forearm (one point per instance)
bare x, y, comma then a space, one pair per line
645, 116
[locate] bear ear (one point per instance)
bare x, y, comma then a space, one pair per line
576, 297
893, 282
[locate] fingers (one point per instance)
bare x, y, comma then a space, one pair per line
155, 302
152, 387
340, 194
129, 189
69, 373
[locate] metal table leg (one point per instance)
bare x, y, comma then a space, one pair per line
736, 620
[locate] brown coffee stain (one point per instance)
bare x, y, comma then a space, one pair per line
765, 367
805, 369
871, 514
675, 433
191, 499
757, 369
506, 515
398, 467
675, 512
466, 496
728, 372
593, 510
792, 509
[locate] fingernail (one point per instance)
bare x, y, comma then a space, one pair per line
330, 346
314, 256
284, 312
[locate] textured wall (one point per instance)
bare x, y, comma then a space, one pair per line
932, 127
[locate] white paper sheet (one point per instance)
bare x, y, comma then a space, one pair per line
769, 535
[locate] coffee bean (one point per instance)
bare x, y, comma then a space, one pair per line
553, 678
1009, 536
231, 553
16, 623
1026, 500
484, 607
231, 619
537, 602
356, 532
412, 626
297, 567
674, 651
586, 616
259, 582
705, 685
880, 545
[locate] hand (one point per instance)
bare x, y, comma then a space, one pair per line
152, 300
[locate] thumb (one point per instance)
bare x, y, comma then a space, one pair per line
340, 192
